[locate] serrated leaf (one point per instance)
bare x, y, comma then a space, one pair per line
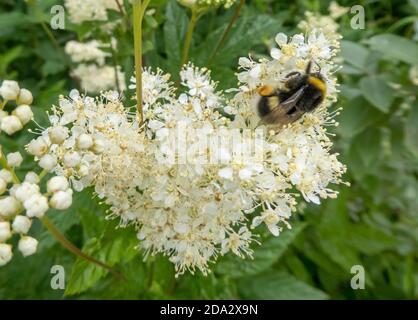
278, 286
395, 47
354, 53
355, 117
377, 92
411, 130
265, 255
175, 28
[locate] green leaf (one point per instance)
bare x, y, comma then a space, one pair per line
411, 130
354, 54
395, 47
278, 286
85, 274
113, 247
175, 28
356, 116
265, 255
377, 92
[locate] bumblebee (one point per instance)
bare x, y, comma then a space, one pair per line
302, 93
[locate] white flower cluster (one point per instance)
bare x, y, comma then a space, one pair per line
92, 72
22, 114
207, 3
326, 24
89, 10
302, 150
20, 202
88, 51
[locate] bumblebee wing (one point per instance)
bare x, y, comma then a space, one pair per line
290, 102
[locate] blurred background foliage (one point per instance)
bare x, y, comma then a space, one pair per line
373, 223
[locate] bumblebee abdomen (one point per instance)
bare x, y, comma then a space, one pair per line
267, 104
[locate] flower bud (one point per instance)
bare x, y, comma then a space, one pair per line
188, 3
83, 171
58, 134
25, 97
57, 183
9, 90
5, 232
24, 113
48, 162
5, 253
3, 114
3, 186
21, 224
14, 159
98, 146
85, 141
37, 147
11, 124
62, 200
6, 175
25, 191
71, 159
36, 206
27, 245
9, 207
32, 177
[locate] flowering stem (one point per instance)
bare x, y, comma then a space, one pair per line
189, 36
73, 249
226, 32
139, 10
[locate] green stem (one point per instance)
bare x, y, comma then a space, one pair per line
189, 36
226, 32
138, 15
50, 36
76, 251
3, 104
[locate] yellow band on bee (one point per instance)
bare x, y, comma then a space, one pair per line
318, 83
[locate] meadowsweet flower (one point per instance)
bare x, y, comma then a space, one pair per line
11, 124
5, 253
9, 207
62, 200
24, 113
98, 78
86, 52
36, 205
57, 183
89, 10
14, 159
5, 232
31, 177
207, 3
25, 97
27, 245
21, 224
48, 162
9, 90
